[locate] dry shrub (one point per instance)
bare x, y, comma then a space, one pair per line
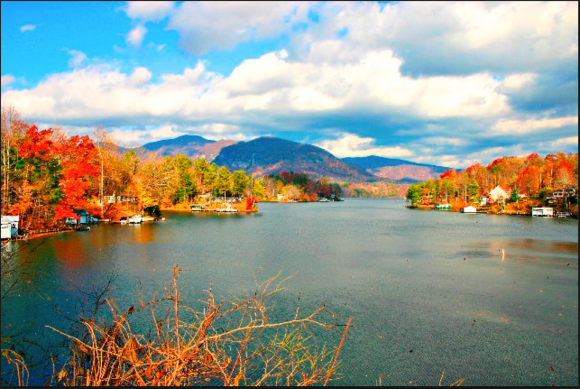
219, 345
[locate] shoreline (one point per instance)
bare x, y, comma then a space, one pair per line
455, 210
39, 235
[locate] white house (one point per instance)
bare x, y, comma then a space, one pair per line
500, 193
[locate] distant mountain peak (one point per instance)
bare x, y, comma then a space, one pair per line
271, 155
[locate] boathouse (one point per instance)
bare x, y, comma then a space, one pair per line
543, 212
9, 226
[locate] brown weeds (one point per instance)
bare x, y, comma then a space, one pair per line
237, 345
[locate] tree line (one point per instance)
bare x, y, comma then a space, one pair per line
47, 175
529, 177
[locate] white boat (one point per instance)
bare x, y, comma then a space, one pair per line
324, 200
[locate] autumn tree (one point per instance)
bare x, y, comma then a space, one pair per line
240, 182
223, 181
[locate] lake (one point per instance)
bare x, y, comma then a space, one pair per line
428, 290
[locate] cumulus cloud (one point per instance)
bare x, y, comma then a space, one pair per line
432, 82
460, 38
138, 137
512, 127
7, 79
269, 84
139, 77
561, 143
149, 10
222, 25
351, 145
77, 58
134, 137
27, 27
136, 35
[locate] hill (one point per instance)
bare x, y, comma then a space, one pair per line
396, 169
269, 155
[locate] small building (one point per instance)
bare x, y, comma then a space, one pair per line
543, 212
196, 207
442, 206
484, 201
469, 209
500, 193
9, 225
137, 219
83, 217
121, 217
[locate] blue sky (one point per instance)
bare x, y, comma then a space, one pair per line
445, 83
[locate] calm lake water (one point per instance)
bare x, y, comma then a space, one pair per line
428, 291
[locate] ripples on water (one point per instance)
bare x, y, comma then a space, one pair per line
428, 291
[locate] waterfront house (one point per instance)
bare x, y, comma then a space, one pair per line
543, 212
500, 193
9, 225
123, 198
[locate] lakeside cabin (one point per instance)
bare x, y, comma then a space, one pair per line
543, 212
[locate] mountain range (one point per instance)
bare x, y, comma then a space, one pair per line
397, 169
269, 155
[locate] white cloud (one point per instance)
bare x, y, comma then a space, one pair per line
222, 25
149, 10
7, 79
457, 38
351, 145
77, 58
134, 138
136, 35
27, 27
139, 77
518, 127
562, 144
269, 86
517, 81
138, 137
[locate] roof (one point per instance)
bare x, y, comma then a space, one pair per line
504, 188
